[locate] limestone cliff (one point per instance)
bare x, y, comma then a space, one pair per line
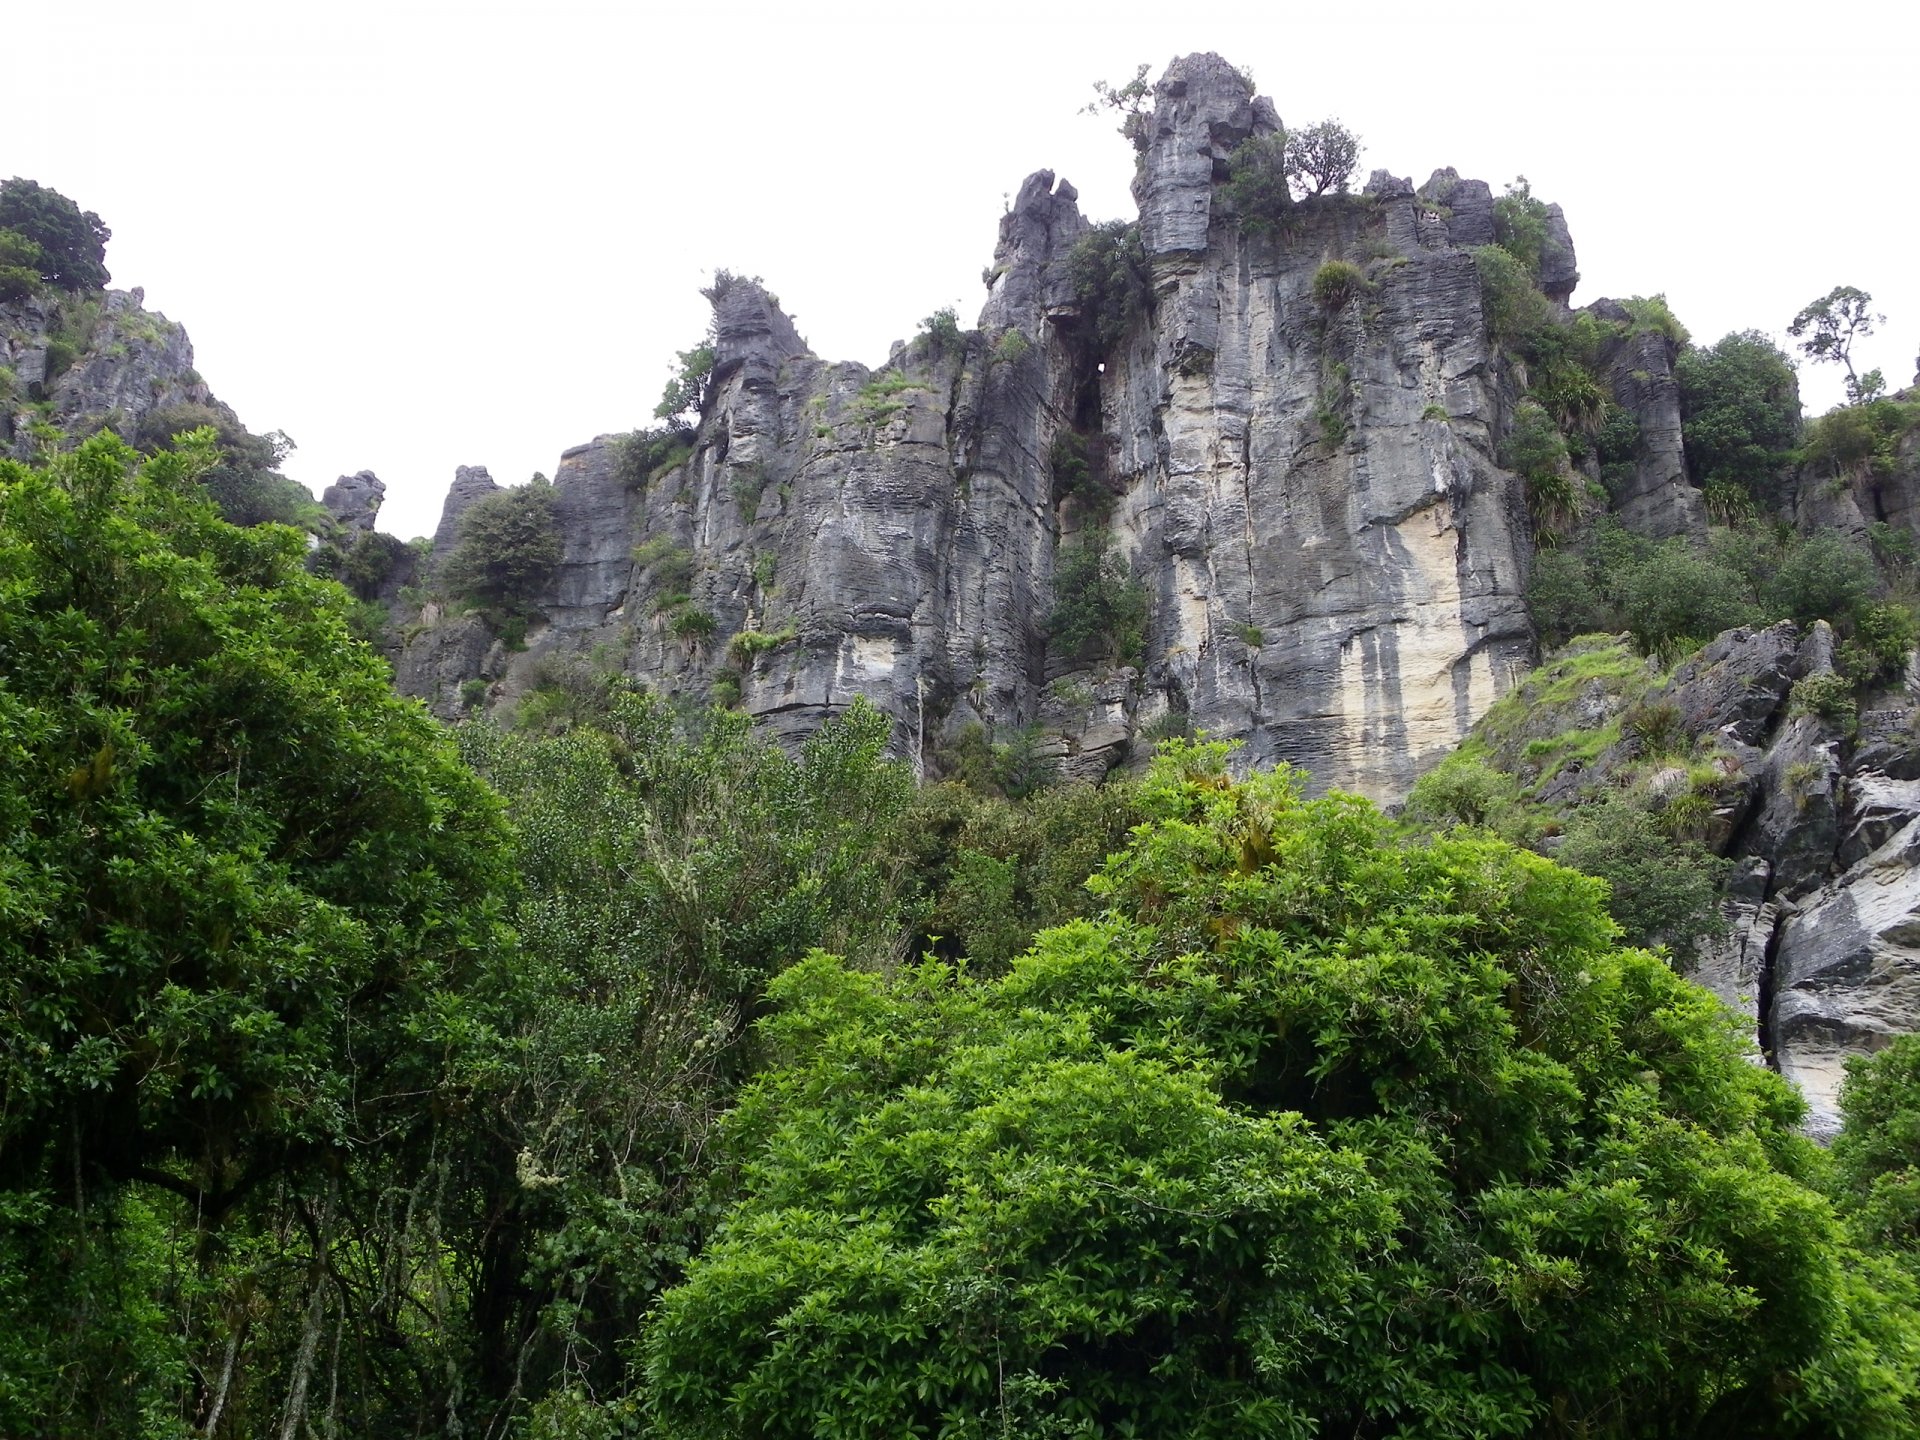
1310, 491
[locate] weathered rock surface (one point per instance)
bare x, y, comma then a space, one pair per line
1309, 494
123, 363
354, 501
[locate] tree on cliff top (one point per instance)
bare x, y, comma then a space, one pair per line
72, 242
1314, 1132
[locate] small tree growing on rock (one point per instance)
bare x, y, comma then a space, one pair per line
1835, 321
1322, 157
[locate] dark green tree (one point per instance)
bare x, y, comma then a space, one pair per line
505, 552
240, 881
72, 242
1740, 413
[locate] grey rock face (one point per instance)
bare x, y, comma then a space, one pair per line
1637, 367
470, 483
1309, 494
128, 363
1203, 110
354, 501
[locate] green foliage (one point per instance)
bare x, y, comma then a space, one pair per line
1675, 598
1831, 324
670, 866
1312, 1133
1099, 609
1825, 577
366, 563
1883, 640
1132, 100
1074, 478
1464, 790
878, 399
245, 479
1537, 452
1739, 412
747, 484
1011, 348
1321, 158
240, 884
686, 392
749, 645
1520, 225
1252, 636
507, 547
1515, 309
1257, 185
1562, 598
942, 329
642, 456
1876, 1157
17, 282
1662, 891
1651, 313
1112, 281
1336, 282
1827, 695
72, 242
669, 565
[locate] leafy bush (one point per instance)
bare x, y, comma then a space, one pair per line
686, 391
1826, 577
749, 645
505, 553
1313, 1130
642, 456
1099, 609
1739, 413
1663, 890
669, 564
1562, 599
1829, 696
17, 282
1257, 185
1073, 477
1515, 310
942, 329
1111, 279
692, 623
1462, 790
1520, 225
1876, 1156
1011, 348
1676, 598
1337, 282
1651, 312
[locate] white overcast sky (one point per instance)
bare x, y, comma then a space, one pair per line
418, 235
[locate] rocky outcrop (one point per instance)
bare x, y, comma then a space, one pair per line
78, 363
354, 502
1307, 491
1820, 820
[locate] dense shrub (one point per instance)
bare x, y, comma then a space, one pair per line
1337, 282
507, 547
1515, 309
1099, 609
1311, 1132
1661, 890
1257, 186
1321, 158
1739, 411
1520, 225
1111, 279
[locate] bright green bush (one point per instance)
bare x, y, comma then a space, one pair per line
1515, 310
1313, 1132
1337, 282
